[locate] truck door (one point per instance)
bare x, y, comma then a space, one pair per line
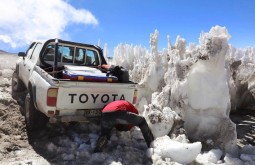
29, 62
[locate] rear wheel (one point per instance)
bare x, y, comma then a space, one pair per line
34, 118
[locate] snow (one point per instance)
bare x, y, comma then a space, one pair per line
186, 94
167, 148
212, 156
159, 122
192, 83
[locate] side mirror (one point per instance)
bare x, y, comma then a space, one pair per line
22, 54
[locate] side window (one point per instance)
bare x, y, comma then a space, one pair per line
79, 56
91, 57
67, 53
36, 52
30, 50
49, 53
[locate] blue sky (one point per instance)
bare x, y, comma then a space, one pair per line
132, 21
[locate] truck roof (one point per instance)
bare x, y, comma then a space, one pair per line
67, 42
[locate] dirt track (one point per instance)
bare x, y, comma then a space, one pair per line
14, 143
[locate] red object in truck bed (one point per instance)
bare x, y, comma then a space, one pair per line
83, 73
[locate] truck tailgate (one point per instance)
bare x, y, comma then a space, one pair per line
86, 95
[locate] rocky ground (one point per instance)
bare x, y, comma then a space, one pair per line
14, 142
18, 146
245, 125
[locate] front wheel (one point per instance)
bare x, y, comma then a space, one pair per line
17, 84
18, 88
34, 118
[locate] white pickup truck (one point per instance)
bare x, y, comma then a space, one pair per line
50, 83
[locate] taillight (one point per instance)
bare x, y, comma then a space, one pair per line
109, 79
52, 97
135, 96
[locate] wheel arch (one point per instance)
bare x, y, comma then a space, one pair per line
34, 118
32, 91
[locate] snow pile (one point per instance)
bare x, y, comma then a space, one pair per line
212, 156
207, 109
176, 152
159, 122
195, 82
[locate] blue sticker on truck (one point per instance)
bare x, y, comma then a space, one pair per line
104, 98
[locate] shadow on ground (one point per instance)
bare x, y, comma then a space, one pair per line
245, 126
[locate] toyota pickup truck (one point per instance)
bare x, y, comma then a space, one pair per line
64, 81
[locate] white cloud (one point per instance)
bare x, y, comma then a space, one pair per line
7, 39
27, 20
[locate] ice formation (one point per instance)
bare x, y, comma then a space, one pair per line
208, 99
195, 82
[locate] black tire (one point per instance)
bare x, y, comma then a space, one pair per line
34, 119
18, 87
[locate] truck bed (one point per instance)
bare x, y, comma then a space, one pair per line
79, 97
85, 73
